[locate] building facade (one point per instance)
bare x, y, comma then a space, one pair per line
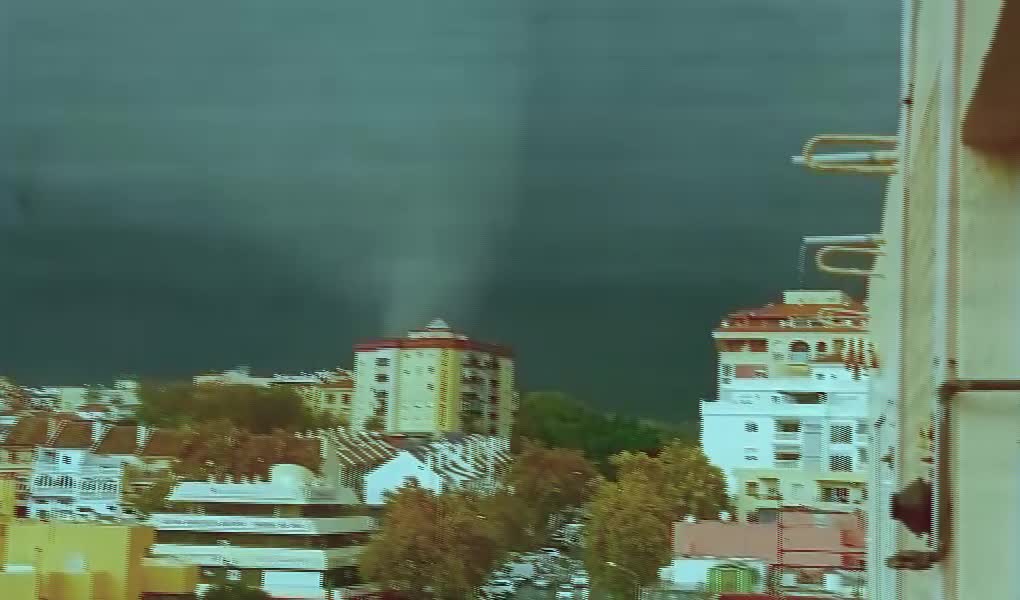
790, 418
433, 381
294, 534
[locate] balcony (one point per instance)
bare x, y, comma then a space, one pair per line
787, 464
787, 436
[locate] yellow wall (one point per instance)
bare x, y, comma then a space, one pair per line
84, 560
785, 480
8, 495
19, 586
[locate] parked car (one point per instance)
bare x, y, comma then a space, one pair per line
565, 591
552, 552
541, 583
500, 587
579, 580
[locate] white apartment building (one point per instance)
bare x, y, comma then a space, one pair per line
433, 381
69, 481
294, 534
790, 419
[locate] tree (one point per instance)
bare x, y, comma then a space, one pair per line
256, 409
558, 420
219, 448
235, 591
155, 488
682, 475
631, 518
13, 395
550, 480
374, 423
440, 544
511, 518
629, 528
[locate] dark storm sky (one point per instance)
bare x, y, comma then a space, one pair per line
193, 185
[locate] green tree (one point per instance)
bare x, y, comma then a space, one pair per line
632, 518
682, 475
432, 544
626, 541
235, 591
560, 421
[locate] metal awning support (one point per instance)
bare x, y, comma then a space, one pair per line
876, 162
919, 560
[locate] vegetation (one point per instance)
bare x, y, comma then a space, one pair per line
219, 449
153, 492
440, 545
547, 481
256, 409
559, 421
632, 517
235, 591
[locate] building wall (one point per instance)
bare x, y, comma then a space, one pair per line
797, 488
984, 465
692, 573
395, 473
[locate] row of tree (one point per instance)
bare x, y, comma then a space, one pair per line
445, 545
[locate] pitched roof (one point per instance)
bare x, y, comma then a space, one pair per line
362, 449
73, 434
120, 439
28, 431
165, 442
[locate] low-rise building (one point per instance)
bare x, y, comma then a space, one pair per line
804, 551
295, 534
442, 463
84, 561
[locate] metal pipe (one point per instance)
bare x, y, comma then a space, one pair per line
941, 497
879, 157
835, 240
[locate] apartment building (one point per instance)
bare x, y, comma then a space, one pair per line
295, 534
433, 381
789, 424
946, 303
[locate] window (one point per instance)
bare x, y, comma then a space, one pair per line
752, 488
381, 394
788, 426
787, 456
233, 575
430, 387
732, 345
841, 462
382, 362
750, 426
331, 398
382, 377
432, 369
66, 459
836, 494
821, 347
759, 346
750, 457
862, 428
727, 370
346, 398
862, 456
841, 434
799, 346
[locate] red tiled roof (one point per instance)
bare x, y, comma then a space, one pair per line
343, 383
28, 431
74, 434
165, 442
120, 439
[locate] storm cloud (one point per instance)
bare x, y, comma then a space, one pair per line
195, 185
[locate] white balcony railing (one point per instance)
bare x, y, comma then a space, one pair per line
787, 464
788, 436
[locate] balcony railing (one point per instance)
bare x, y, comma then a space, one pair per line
787, 464
788, 436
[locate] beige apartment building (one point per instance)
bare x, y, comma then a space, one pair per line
944, 292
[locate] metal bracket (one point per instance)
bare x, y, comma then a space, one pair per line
826, 250
881, 162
